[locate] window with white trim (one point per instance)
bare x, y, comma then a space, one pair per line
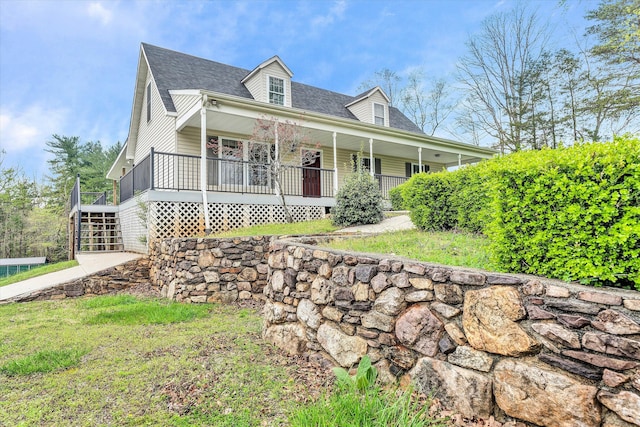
378, 114
276, 90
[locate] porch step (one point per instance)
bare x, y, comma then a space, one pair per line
100, 232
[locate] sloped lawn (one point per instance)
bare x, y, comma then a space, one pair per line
120, 360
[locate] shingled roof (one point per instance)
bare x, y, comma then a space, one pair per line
175, 71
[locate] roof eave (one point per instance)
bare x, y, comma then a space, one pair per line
348, 123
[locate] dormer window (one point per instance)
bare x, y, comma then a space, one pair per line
378, 114
276, 91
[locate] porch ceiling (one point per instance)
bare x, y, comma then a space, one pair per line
235, 124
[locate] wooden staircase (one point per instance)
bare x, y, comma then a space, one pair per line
100, 232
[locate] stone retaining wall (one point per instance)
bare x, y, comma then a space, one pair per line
107, 281
512, 346
210, 270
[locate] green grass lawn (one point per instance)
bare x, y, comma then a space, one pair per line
38, 271
306, 227
450, 248
118, 360
460, 249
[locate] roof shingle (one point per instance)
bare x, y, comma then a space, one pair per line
175, 71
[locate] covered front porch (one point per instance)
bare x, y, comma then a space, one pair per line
184, 161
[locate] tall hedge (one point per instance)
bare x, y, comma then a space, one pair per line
571, 213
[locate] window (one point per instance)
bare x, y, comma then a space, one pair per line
149, 102
414, 168
366, 164
378, 114
259, 160
276, 91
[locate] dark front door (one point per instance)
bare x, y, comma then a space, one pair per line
311, 176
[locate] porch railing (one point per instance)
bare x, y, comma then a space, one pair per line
387, 182
176, 172
167, 171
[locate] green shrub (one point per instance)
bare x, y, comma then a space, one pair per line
395, 195
571, 213
428, 197
470, 197
358, 201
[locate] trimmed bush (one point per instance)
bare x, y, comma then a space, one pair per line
570, 213
450, 200
428, 197
395, 196
358, 201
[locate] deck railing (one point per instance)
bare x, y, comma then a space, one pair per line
181, 172
167, 171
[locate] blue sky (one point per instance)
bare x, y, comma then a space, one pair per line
68, 67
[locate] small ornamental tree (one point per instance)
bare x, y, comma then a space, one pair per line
359, 200
290, 147
275, 151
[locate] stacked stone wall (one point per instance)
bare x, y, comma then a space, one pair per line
519, 348
210, 270
510, 346
107, 281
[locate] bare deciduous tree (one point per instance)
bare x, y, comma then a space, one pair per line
495, 74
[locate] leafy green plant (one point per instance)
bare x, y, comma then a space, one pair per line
571, 213
359, 401
43, 361
359, 200
364, 378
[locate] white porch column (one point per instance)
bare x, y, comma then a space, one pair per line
335, 165
276, 143
419, 159
459, 160
372, 166
203, 165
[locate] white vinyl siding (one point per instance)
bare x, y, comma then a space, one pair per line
158, 133
258, 84
148, 99
362, 110
184, 103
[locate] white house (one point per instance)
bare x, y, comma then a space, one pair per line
191, 143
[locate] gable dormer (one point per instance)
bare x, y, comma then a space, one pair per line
371, 106
270, 82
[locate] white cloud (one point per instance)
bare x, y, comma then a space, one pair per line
335, 13
97, 10
29, 128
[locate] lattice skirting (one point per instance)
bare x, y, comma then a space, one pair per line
185, 219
